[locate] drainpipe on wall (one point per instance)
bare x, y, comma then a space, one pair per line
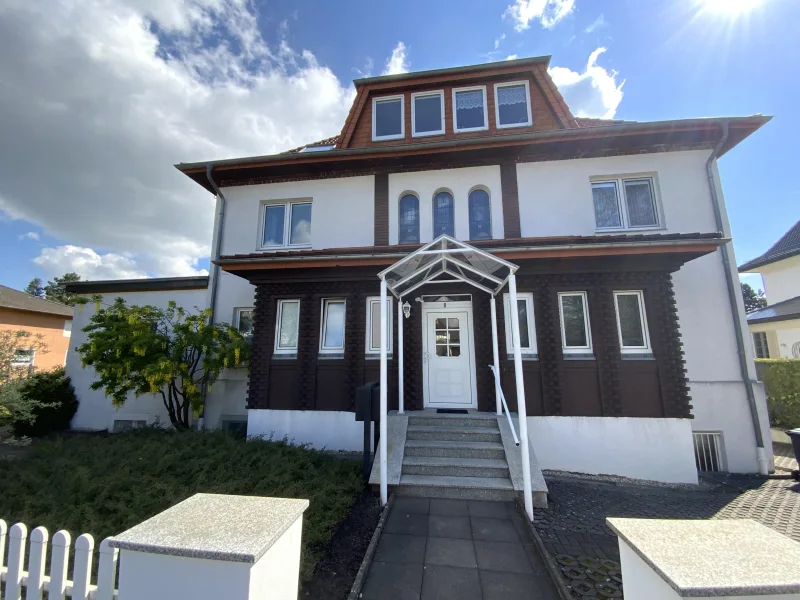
215, 270
733, 290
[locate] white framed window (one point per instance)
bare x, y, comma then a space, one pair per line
760, 344
373, 342
388, 118
23, 357
512, 104
285, 224
287, 325
527, 324
427, 113
625, 203
331, 334
576, 336
632, 322
243, 321
470, 112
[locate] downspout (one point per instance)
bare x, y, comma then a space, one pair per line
733, 290
215, 254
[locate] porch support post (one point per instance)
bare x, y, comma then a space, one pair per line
496, 354
400, 407
521, 410
384, 403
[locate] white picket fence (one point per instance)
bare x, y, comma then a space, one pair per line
56, 584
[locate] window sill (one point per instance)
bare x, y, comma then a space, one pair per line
331, 356
637, 356
284, 355
513, 125
377, 356
579, 356
622, 230
388, 138
284, 248
470, 130
525, 356
427, 134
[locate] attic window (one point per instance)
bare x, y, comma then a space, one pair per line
470, 109
512, 104
427, 113
318, 148
387, 118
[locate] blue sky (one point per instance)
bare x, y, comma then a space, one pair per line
91, 186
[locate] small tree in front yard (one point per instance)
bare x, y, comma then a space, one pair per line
149, 350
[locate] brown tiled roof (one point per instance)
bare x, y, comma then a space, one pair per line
786, 247
16, 300
331, 141
508, 243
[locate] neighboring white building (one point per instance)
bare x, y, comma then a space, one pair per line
775, 329
630, 321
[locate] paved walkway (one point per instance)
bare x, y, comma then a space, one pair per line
433, 549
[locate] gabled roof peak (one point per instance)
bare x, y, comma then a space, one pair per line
786, 247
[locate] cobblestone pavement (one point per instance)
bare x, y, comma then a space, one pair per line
784, 458
574, 532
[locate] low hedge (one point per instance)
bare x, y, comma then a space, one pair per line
52, 401
781, 377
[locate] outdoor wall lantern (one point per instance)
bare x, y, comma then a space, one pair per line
407, 309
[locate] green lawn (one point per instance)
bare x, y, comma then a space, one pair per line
105, 484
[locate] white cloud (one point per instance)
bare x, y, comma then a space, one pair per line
596, 24
31, 235
512, 56
593, 93
103, 97
398, 61
498, 40
548, 12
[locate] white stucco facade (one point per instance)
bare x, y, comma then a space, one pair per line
332, 430
781, 279
783, 337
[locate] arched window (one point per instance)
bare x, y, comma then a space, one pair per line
480, 215
443, 214
408, 223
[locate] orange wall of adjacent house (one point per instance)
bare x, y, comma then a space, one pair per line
51, 327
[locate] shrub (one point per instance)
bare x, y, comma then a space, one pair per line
14, 406
51, 399
781, 377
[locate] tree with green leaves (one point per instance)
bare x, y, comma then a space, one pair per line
17, 349
752, 300
55, 289
35, 288
149, 350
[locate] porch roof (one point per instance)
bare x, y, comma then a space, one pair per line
447, 260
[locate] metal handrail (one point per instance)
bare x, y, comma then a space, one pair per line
505, 406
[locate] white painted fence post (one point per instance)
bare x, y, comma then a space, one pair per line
106, 571
82, 574
16, 555
36, 559
59, 559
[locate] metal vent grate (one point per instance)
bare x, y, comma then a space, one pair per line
708, 451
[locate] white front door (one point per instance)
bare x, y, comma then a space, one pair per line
448, 362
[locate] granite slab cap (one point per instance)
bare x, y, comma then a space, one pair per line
725, 557
215, 527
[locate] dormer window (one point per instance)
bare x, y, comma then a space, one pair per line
469, 109
512, 102
387, 118
427, 113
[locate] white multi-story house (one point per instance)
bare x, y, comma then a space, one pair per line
775, 329
633, 356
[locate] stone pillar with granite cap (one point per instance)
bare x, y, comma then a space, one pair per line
214, 546
734, 559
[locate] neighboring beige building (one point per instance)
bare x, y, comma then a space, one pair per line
52, 320
775, 329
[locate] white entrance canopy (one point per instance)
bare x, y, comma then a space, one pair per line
447, 261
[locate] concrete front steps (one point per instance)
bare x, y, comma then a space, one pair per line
455, 456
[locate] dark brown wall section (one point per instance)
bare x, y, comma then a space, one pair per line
508, 187
608, 384
382, 209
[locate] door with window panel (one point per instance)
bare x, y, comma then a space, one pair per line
448, 360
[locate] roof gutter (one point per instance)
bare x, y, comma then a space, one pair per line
734, 293
215, 254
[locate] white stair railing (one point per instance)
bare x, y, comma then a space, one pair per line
56, 584
505, 406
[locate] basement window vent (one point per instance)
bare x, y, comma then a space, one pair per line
708, 451
121, 425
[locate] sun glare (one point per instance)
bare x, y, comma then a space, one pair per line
729, 7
